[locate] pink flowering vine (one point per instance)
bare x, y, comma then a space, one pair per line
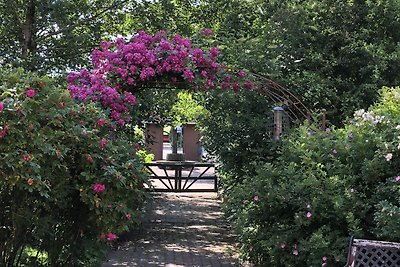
120, 67
99, 187
1, 106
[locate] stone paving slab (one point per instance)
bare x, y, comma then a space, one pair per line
179, 229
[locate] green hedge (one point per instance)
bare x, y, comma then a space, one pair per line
68, 183
324, 187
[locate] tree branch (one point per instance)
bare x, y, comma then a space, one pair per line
27, 29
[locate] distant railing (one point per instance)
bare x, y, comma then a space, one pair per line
178, 181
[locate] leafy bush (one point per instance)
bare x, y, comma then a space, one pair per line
237, 131
68, 183
325, 186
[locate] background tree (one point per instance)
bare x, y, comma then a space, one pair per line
51, 36
336, 55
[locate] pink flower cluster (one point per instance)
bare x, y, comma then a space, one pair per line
111, 236
30, 92
99, 187
119, 67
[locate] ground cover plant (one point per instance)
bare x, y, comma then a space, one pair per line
69, 182
301, 209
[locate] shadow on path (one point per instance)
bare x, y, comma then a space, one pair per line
179, 229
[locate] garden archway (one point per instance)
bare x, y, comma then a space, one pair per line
154, 61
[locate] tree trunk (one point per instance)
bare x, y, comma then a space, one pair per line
28, 28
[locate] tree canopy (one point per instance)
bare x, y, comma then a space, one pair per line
336, 55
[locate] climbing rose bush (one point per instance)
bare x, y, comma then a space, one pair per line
124, 66
301, 209
69, 183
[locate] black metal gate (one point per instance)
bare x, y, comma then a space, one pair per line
183, 176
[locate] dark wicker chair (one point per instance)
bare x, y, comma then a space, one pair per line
373, 253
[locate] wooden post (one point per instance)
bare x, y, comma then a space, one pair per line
323, 119
154, 140
191, 143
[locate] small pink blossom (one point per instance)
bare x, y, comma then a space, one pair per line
256, 198
214, 52
334, 151
101, 122
397, 179
309, 215
103, 143
324, 258
388, 156
89, 159
283, 245
128, 216
241, 73
111, 236
1, 106
26, 157
99, 187
30, 92
249, 85
207, 32
295, 251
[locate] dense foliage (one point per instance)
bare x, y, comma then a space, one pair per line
237, 130
325, 186
68, 182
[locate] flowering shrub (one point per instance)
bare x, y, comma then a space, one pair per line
68, 182
325, 186
121, 67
